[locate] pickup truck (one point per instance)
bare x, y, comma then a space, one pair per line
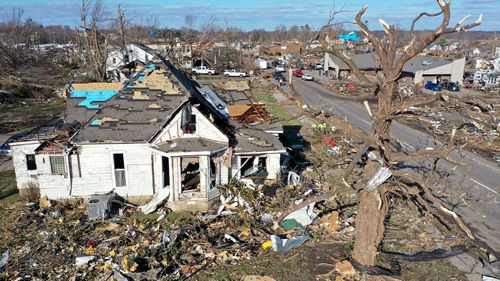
203, 70
280, 68
234, 73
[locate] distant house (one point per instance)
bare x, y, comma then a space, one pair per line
287, 49
132, 54
159, 131
420, 68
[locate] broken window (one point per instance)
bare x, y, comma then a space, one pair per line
253, 166
190, 127
188, 120
190, 174
30, 162
119, 169
57, 165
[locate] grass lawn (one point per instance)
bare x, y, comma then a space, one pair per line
8, 188
273, 106
278, 265
38, 109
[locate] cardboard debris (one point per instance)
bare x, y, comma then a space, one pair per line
345, 268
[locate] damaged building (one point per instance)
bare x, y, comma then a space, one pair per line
419, 68
159, 131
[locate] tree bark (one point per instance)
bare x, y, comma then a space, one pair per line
369, 227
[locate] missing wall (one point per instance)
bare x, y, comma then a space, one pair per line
253, 166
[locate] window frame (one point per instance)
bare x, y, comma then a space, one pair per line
33, 162
113, 171
192, 125
53, 167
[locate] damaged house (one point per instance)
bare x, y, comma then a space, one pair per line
145, 136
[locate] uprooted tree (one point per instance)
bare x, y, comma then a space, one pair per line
386, 152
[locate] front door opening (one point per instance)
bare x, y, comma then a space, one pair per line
165, 169
190, 174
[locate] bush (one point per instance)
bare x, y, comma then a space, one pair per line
30, 192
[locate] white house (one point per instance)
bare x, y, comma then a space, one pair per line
138, 140
132, 53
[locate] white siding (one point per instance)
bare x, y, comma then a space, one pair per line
96, 162
19, 151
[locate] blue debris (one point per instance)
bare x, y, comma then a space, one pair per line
92, 96
95, 122
350, 36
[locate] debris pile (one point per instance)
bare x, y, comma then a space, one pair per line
76, 242
249, 113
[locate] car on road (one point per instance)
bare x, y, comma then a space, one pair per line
307, 77
453, 86
277, 75
429, 85
280, 68
298, 73
234, 73
203, 70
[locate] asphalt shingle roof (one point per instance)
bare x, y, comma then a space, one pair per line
368, 61
191, 145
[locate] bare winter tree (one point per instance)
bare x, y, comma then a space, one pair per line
94, 41
373, 198
204, 40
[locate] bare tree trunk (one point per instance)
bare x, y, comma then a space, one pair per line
369, 220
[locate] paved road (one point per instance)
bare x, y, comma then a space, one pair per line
478, 182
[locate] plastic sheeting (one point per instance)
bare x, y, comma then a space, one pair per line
287, 244
92, 96
293, 178
305, 216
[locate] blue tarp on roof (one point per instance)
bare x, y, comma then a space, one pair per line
92, 96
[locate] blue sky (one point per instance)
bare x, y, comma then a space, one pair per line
250, 14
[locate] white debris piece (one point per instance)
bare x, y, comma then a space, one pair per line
157, 200
380, 177
305, 216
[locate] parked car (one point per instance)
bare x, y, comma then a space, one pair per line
429, 85
307, 77
298, 73
234, 73
203, 70
453, 86
5, 147
280, 68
